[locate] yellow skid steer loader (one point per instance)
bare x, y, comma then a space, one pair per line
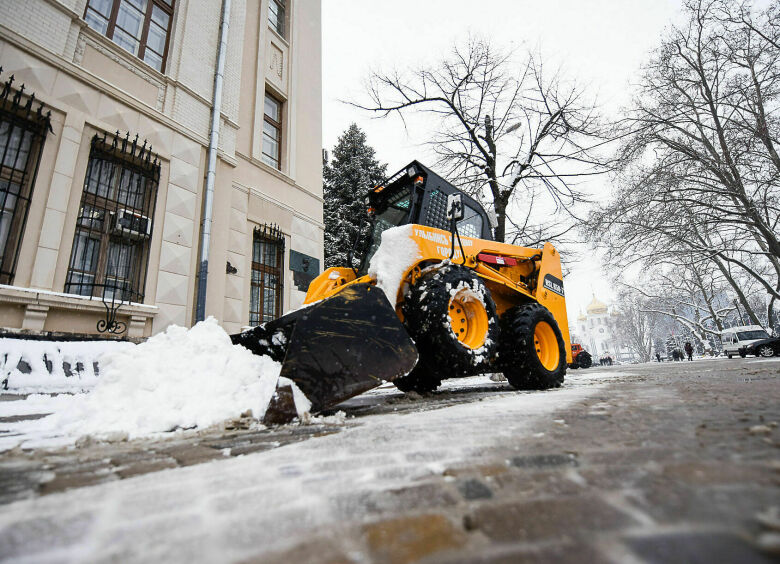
435, 297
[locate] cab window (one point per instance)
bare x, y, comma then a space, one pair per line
471, 224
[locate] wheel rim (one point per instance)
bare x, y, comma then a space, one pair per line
468, 319
766, 351
546, 345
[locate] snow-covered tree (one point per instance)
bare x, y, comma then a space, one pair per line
634, 325
698, 184
351, 173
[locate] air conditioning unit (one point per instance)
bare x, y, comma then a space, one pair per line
132, 225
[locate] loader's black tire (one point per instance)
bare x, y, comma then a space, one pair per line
517, 350
584, 360
427, 320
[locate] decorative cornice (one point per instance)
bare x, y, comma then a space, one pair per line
270, 199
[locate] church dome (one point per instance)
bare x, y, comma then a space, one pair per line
596, 306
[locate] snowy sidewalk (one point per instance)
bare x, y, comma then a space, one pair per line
620, 465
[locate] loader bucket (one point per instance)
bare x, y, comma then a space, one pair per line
337, 348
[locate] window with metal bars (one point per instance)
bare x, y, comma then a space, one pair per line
22, 134
114, 226
141, 27
265, 300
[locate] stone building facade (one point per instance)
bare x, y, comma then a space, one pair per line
103, 171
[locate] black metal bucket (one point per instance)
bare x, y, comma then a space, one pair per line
337, 348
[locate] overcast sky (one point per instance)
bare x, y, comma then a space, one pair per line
600, 43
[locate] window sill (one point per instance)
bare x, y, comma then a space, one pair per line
278, 36
126, 56
39, 302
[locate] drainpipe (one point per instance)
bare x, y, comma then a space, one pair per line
216, 108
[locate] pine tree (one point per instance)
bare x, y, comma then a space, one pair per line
352, 172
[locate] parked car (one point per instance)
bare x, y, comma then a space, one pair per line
764, 347
736, 338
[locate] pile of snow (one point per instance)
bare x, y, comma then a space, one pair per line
30, 366
393, 259
178, 379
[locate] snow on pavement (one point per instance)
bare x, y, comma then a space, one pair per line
181, 378
228, 510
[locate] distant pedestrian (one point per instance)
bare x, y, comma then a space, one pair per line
658, 356
689, 350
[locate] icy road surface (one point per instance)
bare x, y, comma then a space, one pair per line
620, 464
224, 511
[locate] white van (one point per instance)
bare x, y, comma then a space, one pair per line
734, 338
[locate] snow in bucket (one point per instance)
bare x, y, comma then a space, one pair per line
394, 257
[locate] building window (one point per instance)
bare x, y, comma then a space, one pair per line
22, 133
276, 15
114, 226
265, 300
272, 132
141, 27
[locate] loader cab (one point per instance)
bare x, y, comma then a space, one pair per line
418, 195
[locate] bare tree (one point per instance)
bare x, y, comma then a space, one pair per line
509, 134
634, 324
700, 172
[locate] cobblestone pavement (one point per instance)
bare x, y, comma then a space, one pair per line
674, 462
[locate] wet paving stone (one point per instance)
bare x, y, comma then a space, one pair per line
535, 461
69, 480
320, 550
187, 455
558, 553
553, 518
26, 538
696, 548
535, 484
474, 489
145, 467
414, 498
412, 539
